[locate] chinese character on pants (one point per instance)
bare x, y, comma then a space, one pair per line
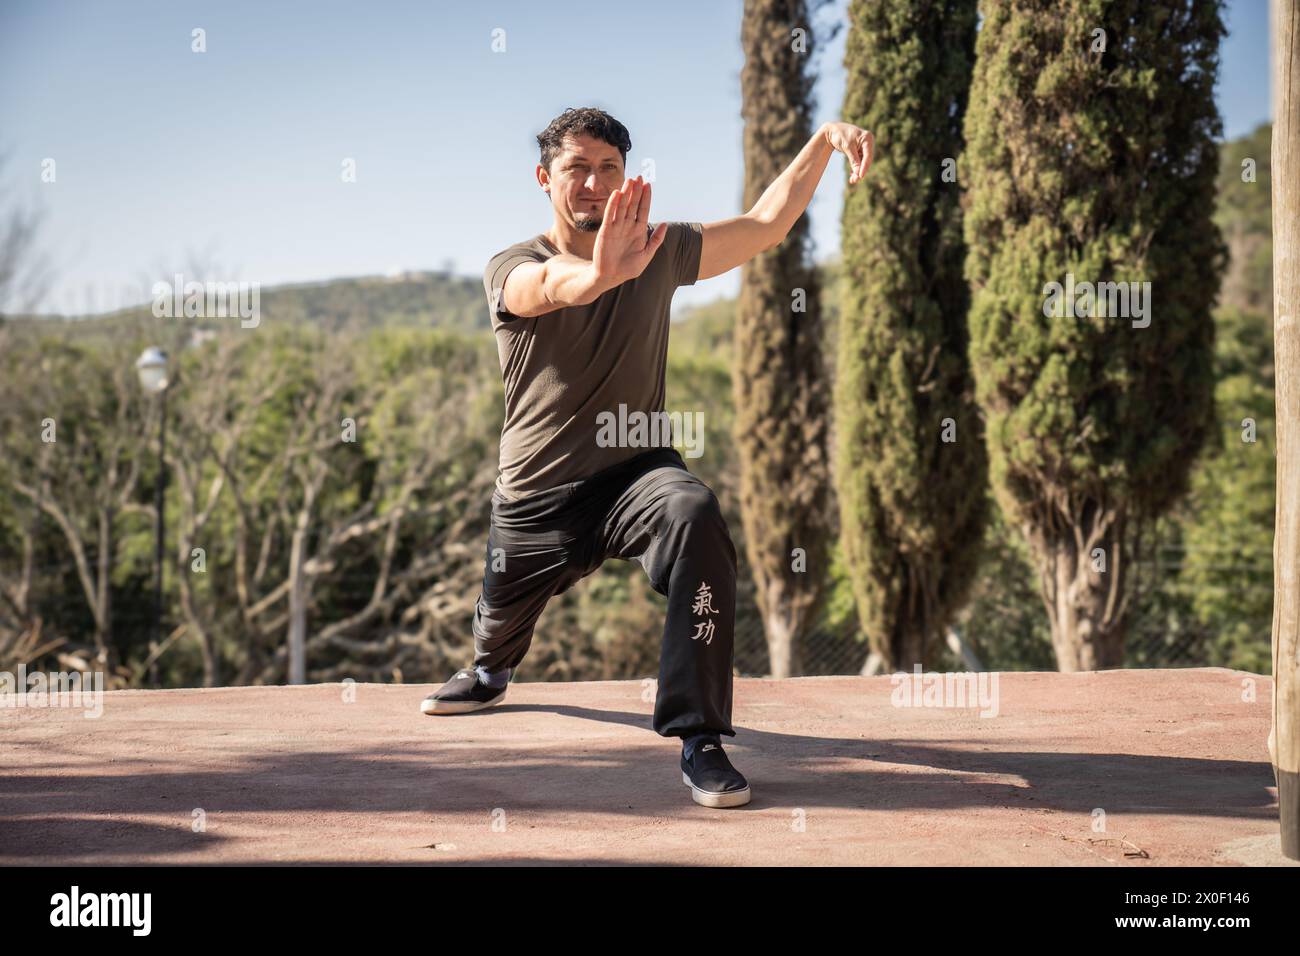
704, 601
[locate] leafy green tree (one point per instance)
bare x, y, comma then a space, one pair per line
76, 431
1091, 158
911, 467
780, 381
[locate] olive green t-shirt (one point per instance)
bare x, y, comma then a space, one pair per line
561, 370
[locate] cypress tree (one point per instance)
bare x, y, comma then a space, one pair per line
1090, 159
910, 468
780, 422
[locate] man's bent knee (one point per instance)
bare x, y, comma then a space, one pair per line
695, 507
691, 504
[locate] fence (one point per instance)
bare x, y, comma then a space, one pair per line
1164, 634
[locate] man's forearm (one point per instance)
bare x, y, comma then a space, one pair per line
783, 202
571, 280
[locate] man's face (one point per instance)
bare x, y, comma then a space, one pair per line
581, 178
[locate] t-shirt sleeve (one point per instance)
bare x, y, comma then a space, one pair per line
686, 250
494, 278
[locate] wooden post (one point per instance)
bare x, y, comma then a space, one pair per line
1285, 739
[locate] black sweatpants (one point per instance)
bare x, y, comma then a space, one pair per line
649, 509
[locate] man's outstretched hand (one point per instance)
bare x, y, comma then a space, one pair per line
622, 249
857, 145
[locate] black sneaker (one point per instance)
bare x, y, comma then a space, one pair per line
462, 694
714, 782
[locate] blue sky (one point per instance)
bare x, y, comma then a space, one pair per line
233, 157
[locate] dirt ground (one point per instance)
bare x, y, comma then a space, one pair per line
1122, 768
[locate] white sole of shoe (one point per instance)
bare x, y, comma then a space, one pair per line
732, 798
436, 708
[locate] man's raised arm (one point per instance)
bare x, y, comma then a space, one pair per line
733, 242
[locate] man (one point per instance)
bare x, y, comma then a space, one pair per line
581, 316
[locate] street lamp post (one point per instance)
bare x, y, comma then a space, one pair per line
151, 366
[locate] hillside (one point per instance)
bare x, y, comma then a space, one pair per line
410, 299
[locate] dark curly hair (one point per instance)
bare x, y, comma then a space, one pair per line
595, 123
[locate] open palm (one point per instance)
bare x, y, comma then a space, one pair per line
623, 249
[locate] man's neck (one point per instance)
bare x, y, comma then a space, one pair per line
571, 241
